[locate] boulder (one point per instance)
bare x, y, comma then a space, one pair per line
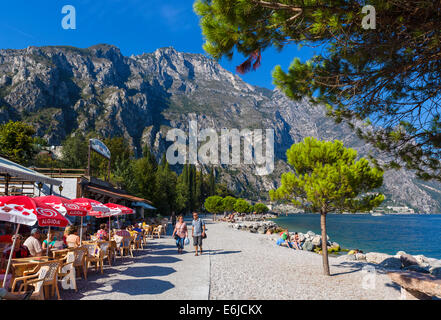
346, 257
399, 254
317, 241
435, 271
408, 260
422, 260
376, 257
417, 268
261, 230
359, 256
391, 263
308, 246
311, 234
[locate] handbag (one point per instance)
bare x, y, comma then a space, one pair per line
205, 235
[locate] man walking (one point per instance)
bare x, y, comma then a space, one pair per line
197, 231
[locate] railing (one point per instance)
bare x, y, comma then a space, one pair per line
17, 187
61, 172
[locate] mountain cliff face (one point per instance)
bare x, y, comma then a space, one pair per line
62, 90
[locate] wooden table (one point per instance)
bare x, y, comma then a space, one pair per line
20, 265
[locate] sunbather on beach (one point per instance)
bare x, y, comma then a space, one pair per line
296, 242
284, 238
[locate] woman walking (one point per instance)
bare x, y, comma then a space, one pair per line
180, 233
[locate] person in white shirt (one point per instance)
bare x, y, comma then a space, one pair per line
33, 243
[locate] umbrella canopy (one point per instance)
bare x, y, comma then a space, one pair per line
28, 211
93, 207
116, 210
64, 206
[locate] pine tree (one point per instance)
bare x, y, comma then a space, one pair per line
327, 178
379, 65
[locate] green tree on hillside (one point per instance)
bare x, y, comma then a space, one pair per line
242, 206
214, 205
327, 178
145, 175
165, 188
17, 143
228, 203
388, 76
260, 208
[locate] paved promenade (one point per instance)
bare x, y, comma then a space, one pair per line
234, 265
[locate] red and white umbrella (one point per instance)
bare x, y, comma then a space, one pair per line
117, 210
93, 207
28, 211
64, 206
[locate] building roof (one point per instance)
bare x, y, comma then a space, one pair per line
15, 170
116, 193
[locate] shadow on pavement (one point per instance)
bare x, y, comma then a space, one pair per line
148, 271
136, 287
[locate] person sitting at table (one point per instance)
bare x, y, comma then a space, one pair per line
49, 242
102, 234
19, 250
33, 244
137, 228
72, 239
122, 233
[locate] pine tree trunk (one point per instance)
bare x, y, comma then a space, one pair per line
324, 244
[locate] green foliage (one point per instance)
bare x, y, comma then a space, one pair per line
17, 143
214, 204
388, 78
228, 203
327, 178
74, 152
242, 206
260, 208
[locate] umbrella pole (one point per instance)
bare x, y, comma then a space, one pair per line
47, 241
81, 231
10, 256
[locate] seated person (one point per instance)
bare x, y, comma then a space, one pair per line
137, 228
102, 234
72, 239
49, 242
296, 242
284, 239
122, 233
33, 244
19, 250
6, 238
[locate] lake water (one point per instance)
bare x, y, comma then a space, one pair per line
414, 234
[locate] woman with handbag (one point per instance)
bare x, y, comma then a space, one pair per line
180, 233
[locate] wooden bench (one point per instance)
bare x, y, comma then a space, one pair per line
417, 285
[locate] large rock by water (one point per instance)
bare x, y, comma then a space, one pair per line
408, 260
390, 263
376, 257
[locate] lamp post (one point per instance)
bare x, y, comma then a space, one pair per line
40, 185
60, 187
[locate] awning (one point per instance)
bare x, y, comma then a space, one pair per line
117, 194
144, 205
15, 170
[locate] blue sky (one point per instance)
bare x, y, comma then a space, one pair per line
135, 26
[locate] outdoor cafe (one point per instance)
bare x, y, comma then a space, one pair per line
42, 251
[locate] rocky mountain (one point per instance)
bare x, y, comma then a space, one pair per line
63, 90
